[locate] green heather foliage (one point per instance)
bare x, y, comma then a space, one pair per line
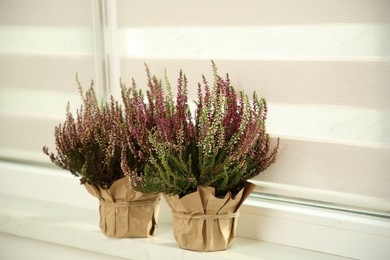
222, 146
89, 146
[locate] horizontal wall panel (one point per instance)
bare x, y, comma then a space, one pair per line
358, 126
54, 72
23, 136
344, 83
46, 12
249, 12
314, 41
53, 40
38, 102
332, 166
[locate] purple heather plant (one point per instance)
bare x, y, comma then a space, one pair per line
90, 145
223, 146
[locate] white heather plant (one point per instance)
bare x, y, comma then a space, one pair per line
222, 146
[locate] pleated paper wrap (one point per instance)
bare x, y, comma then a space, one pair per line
203, 222
125, 212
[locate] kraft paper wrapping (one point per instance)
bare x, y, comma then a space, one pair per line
203, 222
125, 212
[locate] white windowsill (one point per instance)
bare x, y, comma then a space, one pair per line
78, 228
49, 205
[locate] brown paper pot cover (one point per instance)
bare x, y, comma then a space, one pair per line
125, 212
203, 222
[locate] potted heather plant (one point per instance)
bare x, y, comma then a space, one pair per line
202, 164
90, 147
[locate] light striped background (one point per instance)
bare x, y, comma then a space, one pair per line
323, 66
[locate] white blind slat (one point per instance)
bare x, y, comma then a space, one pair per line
308, 41
50, 72
46, 12
46, 40
249, 12
332, 166
22, 136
